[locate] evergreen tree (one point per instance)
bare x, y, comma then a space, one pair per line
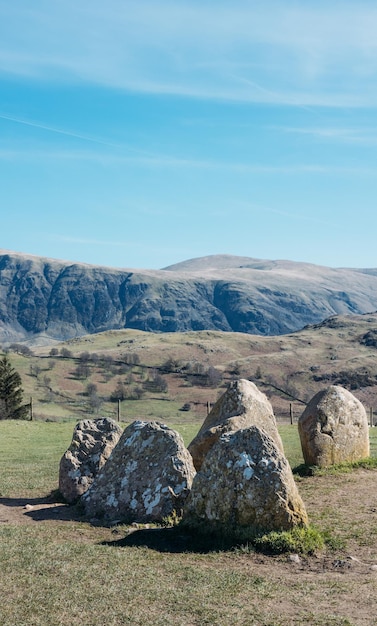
11, 392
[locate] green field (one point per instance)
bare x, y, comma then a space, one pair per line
30, 453
69, 573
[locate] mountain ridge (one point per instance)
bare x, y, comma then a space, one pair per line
45, 299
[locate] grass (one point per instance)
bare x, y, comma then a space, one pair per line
35, 470
301, 540
70, 573
61, 580
30, 453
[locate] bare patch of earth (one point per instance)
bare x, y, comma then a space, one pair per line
30, 510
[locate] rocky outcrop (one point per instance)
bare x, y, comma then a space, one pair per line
92, 443
147, 477
245, 482
334, 428
242, 405
45, 298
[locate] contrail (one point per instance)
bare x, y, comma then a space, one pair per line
51, 129
68, 133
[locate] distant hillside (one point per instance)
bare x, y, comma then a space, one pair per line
158, 374
45, 299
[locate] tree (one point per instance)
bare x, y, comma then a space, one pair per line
213, 376
94, 402
11, 392
82, 371
65, 353
119, 392
91, 389
20, 349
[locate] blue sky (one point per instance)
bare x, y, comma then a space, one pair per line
138, 134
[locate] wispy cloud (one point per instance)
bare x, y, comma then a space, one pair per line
298, 54
360, 136
172, 162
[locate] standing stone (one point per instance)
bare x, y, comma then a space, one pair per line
92, 443
245, 482
241, 406
147, 477
334, 428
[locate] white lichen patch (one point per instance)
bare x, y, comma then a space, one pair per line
245, 461
74, 474
111, 501
147, 442
96, 458
151, 500
178, 489
131, 466
129, 442
265, 464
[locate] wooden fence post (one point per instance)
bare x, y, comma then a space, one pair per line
290, 412
31, 409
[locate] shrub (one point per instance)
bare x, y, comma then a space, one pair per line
186, 407
302, 540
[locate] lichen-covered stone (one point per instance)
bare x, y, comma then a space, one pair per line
241, 406
334, 428
92, 443
245, 482
147, 477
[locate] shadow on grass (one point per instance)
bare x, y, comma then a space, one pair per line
304, 470
171, 540
50, 507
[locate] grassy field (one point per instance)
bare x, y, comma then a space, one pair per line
30, 453
68, 573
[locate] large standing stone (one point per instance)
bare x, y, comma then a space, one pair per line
147, 477
334, 428
245, 481
241, 406
92, 443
